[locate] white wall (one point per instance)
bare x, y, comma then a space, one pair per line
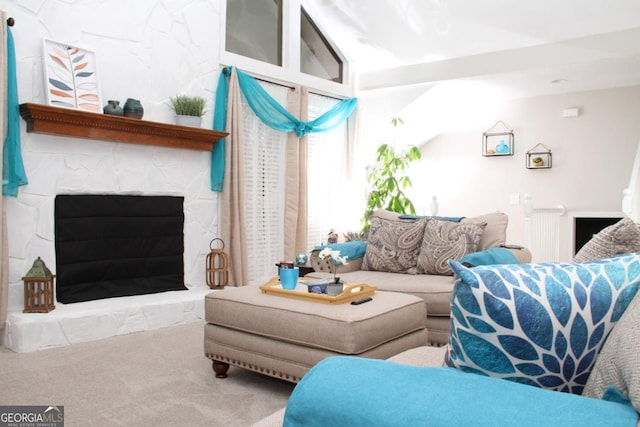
152, 50
593, 154
148, 50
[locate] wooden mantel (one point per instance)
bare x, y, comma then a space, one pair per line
67, 122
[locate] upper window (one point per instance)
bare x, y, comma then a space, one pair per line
254, 29
278, 39
317, 57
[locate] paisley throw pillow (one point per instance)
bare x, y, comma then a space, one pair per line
444, 241
393, 245
538, 324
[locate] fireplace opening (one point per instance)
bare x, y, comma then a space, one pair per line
585, 227
117, 245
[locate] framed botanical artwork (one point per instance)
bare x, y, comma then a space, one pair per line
71, 77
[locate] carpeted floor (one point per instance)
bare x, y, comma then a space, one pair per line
156, 378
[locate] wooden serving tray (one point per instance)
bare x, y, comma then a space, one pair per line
351, 292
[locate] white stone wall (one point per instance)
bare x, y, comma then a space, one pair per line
148, 50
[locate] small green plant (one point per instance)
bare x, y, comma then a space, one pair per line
387, 181
185, 105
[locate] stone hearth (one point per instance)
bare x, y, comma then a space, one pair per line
94, 320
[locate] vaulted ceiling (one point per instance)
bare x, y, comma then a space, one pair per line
519, 46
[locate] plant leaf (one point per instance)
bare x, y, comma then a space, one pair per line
62, 104
89, 97
60, 85
60, 93
59, 62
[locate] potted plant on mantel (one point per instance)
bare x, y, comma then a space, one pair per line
189, 109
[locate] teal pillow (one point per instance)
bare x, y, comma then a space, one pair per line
538, 324
489, 257
354, 391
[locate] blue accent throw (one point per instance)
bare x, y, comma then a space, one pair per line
271, 113
353, 391
352, 250
538, 324
219, 123
489, 257
13, 174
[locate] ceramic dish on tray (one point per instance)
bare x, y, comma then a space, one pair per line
316, 286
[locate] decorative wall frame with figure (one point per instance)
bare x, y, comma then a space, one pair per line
498, 140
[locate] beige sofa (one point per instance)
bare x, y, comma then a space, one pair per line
453, 241
612, 385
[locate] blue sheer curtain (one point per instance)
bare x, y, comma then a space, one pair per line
13, 174
219, 123
270, 113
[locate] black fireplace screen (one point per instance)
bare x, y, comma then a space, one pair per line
117, 245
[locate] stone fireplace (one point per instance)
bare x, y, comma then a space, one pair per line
72, 165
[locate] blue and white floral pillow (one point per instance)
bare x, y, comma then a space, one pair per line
538, 324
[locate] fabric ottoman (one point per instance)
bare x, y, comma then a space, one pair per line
284, 337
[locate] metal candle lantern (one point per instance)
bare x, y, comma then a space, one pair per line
217, 267
38, 289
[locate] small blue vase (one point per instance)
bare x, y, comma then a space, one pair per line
502, 148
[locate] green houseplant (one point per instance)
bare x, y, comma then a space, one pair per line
187, 108
537, 161
387, 180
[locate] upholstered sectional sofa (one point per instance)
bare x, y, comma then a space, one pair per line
410, 255
552, 344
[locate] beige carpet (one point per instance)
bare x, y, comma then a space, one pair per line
156, 378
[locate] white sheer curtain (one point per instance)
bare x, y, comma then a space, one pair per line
327, 176
265, 164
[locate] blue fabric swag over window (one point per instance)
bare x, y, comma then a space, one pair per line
13, 174
271, 113
219, 123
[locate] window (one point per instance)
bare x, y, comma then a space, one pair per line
280, 40
254, 29
317, 57
264, 185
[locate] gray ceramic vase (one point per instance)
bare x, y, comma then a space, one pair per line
133, 108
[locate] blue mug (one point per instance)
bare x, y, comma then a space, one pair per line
289, 277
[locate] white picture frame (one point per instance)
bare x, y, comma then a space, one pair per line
71, 77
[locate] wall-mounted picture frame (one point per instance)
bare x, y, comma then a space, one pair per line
498, 140
71, 77
539, 157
